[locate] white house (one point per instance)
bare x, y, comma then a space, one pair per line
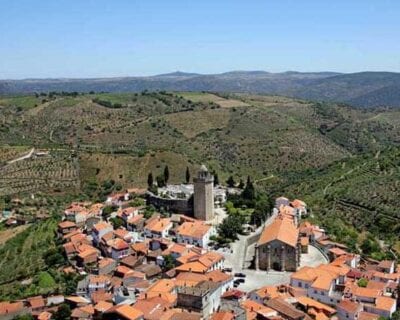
158, 228
195, 233
99, 230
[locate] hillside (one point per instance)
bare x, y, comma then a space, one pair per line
364, 89
354, 194
332, 155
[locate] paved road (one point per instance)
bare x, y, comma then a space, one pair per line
236, 257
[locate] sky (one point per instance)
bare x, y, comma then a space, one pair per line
111, 38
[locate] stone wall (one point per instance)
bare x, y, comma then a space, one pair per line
183, 206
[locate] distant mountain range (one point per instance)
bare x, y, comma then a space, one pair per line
363, 89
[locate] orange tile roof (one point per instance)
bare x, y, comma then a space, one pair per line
377, 285
162, 285
101, 295
121, 233
105, 262
103, 306
268, 292
102, 225
308, 274
175, 248
189, 279
253, 308
123, 269
223, 315
140, 247
197, 229
287, 211
365, 292
153, 308
387, 276
298, 203
187, 257
387, 264
385, 303
119, 244
218, 276
102, 278
323, 282
349, 306
10, 307
36, 302
44, 315
210, 258
66, 224
192, 267
367, 316
135, 219
158, 224
126, 311
308, 302
281, 229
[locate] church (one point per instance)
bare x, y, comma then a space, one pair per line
279, 247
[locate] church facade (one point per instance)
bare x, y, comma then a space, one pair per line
279, 247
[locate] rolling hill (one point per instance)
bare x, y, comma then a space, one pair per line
341, 160
363, 89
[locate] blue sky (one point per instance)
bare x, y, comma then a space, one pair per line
96, 38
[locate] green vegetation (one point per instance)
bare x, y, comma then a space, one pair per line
342, 161
362, 282
355, 199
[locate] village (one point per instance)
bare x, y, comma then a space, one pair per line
166, 265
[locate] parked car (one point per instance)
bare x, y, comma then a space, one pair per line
227, 269
240, 275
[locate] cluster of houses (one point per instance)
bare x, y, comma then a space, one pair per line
154, 267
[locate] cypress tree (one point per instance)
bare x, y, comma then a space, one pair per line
187, 175
150, 180
166, 174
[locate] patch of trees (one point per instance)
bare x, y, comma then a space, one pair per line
108, 104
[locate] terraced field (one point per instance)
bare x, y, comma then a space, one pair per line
307, 149
55, 172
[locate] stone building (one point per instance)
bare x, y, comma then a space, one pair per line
204, 297
279, 247
198, 199
203, 206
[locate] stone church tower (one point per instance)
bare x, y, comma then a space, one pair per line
203, 205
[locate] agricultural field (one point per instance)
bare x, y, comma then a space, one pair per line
22, 256
8, 153
10, 233
224, 101
358, 194
55, 172
280, 142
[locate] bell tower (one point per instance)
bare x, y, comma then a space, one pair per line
203, 205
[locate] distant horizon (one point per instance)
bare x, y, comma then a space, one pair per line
102, 39
188, 73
